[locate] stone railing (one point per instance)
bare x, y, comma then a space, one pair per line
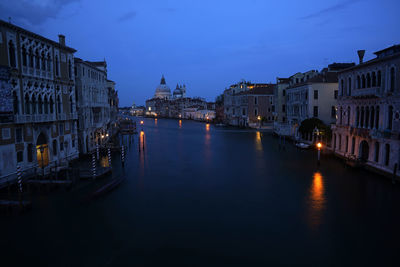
35, 118
373, 91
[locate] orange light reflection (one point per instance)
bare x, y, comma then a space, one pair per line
316, 200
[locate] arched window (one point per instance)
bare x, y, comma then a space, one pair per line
368, 80
33, 104
358, 82
372, 117
57, 62
349, 91
341, 87
390, 118
377, 118
376, 156
29, 152
27, 105
71, 105
46, 105
51, 105
387, 154
48, 63
40, 105
54, 147
362, 117
357, 117
69, 69
15, 102
30, 58
11, 54
341, 115
392, 79
379, 78
366, 117
348, 115
37, 60
373, 79
353, 145
43, 61
58, 105
363, 81
24, 57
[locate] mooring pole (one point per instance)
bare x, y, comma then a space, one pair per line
19, 177
93, 166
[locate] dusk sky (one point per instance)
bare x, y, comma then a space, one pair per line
209, 45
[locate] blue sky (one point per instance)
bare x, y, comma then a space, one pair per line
209, 45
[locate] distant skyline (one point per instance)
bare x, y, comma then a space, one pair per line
209, 45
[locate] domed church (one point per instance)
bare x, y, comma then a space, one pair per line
163, 91
179, 92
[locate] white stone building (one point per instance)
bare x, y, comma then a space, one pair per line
93, 103
368, 123
38, 119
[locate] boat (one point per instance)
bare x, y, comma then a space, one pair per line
303, 145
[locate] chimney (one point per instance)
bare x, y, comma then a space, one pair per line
61, 39
361, 55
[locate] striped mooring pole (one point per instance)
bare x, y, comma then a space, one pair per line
93, 166
97, 151
109, 157
19, 178
122, 155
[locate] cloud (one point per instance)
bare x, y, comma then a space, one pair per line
330, 9
34, 12
127, 16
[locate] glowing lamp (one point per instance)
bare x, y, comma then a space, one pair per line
319, 145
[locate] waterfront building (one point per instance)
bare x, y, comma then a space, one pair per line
368, 123
313, 94
248, 104
93, 103
38, 118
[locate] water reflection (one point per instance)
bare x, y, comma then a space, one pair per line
180, 124
155, 121
259, 146
104, 161
316, 200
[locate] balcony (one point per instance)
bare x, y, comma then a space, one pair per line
366, 92
36, 118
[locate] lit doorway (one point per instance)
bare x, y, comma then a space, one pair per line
42, 151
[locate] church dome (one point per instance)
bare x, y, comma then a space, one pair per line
162, 90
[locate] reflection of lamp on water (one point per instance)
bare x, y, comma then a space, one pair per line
207, 127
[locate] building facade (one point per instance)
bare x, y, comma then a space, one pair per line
38, 114
368, 123
93, 103
247, 104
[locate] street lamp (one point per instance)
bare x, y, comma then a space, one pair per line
259, 121
319, 146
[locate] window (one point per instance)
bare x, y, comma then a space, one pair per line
376, 157
73, 142
349, 91
61, 128
368, 80
348, 115
387, 154
243, 112
33, 102
379, 78
373, 79
363, 81
255, 100
20, 156
377, 118
357, 116
392, 79
67, 125
43, 61
30, 58
390, 118
347, 144
340, 142
61, 146
51, 105
315, 94
54, 147
341, 116
24, 57
57, 67
335, 94
283, 108
5, 133
362, 117
333, 112
358, 82
316, 111
15, 102
69, 69
18, 135
11, 53
283, 92
71, 104
353, 145
255, 112
29, 152
58, 105
341, 87
37, 60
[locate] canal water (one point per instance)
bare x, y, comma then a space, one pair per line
199, 195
